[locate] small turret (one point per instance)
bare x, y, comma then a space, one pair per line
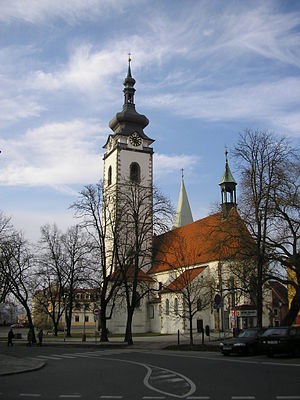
228, 189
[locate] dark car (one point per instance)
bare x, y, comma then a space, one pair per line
246, 343
283, 339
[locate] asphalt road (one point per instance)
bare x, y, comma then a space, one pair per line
76, 373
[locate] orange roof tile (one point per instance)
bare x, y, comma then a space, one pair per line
142, 276
208, 239
184, 279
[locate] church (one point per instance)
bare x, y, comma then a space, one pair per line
193, 257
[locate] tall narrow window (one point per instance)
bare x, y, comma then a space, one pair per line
167, 307
176, 306
135, 172
109, 176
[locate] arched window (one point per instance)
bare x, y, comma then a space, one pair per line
167, 307
135, 172
109, 176
176, 306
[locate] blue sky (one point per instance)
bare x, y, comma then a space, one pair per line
205, 71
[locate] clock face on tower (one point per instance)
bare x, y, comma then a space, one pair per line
135, 139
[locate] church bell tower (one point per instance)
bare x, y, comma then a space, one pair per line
128, 157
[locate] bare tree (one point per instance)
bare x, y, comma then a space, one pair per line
6, 231
79, 267
52, 278
16, 269
261, 157
142, 211
98, 218
194, 285
283, 241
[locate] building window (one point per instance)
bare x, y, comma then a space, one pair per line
76, 318
86, 318
176, 306
151, 312
135, 172
199, 305
167, 307
137, 301
109, 176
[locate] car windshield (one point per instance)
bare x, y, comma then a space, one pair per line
276, 332
248, 333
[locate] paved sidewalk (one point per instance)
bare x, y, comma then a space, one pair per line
12, 365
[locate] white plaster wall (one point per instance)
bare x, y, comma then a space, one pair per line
143, 159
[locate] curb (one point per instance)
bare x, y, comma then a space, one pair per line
40, 365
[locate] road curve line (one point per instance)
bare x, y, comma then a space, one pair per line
149, 367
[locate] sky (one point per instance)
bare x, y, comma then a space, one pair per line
205, 71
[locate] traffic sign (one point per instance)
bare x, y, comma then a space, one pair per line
96, 311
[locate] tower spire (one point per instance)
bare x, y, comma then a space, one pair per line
228, 188
183, 214
129, 83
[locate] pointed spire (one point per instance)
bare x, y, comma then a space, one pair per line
129, 83
228, 188
183, 214
227, 176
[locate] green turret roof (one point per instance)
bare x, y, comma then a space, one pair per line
227, 176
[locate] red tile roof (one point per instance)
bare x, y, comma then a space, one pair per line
184, 279
208, 239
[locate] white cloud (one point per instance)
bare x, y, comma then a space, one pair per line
270, 102
166, 164
30, 222
40, 11
55, 154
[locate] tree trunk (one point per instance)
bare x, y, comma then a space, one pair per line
104, 336
191, 327
128, 332
31, 326
259, 294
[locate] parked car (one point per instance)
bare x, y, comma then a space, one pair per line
283, 339
246, 343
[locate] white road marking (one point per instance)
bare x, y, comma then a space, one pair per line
175, 380
163, 376
242, 397
287, 397
49, 358
198, 398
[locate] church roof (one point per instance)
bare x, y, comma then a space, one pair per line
183, 214
209, 239
184, 279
